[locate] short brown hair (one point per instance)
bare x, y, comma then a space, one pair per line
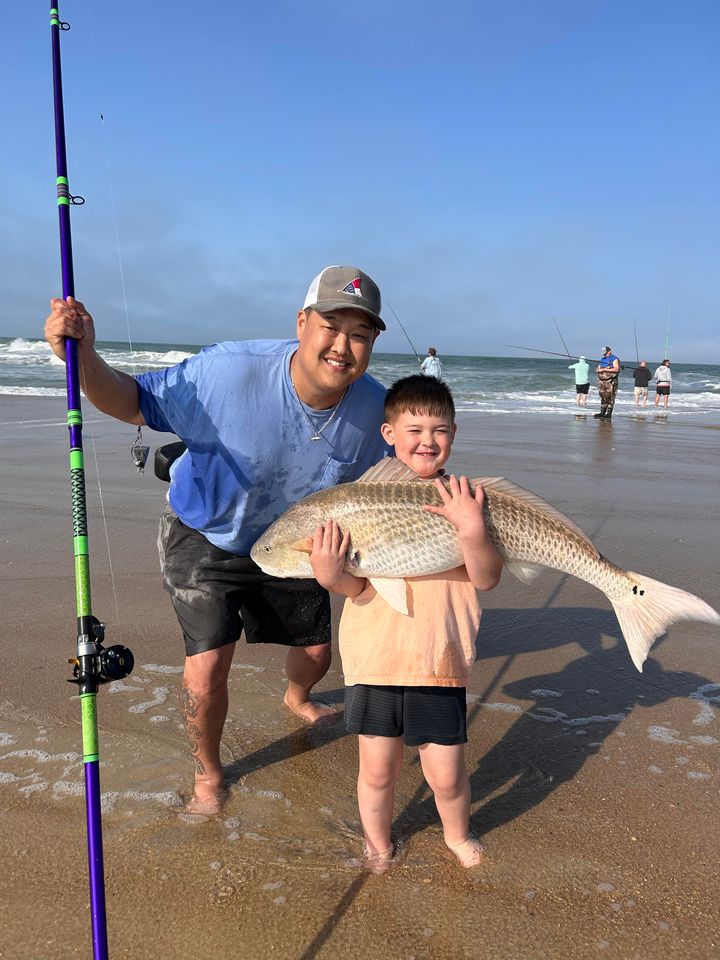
418, 394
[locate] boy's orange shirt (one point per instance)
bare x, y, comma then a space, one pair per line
434, 646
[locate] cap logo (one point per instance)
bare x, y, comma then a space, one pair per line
353, 288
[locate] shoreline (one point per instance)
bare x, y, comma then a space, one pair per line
594, 786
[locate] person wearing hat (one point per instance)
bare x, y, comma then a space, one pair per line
265, 422
582, 380
663, 383
431, 365
608, 371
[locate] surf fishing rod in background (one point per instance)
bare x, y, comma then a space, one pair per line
637, 352
553, 353
93, 664
406, 334
563, 340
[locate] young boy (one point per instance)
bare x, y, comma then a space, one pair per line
406, 675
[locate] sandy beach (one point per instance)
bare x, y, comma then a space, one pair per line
594, 787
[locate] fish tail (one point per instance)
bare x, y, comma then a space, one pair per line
650, 608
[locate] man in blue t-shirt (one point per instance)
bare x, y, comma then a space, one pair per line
265, 422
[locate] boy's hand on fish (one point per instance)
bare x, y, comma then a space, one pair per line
461, 507
465, 511
328, 553
328, 558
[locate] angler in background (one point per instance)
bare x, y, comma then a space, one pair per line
642, 377
608, 372
582, 380
406, 676
432, 365
663, 383
266, 422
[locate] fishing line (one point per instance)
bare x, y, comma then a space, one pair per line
107, 538
138, 451
417, 356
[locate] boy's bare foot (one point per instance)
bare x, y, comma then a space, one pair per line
379, 862
469, 852
311, 710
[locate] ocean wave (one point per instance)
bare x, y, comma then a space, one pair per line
143, 358
32, 391
20, 346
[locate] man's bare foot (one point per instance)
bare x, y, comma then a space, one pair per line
469, 852
206, 803
311, 711
379, 862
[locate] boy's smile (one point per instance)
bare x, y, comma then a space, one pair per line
423, 442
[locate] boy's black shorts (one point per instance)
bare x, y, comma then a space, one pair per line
217, 595
582, 388
420, 714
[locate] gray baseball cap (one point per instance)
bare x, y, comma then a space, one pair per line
340, 288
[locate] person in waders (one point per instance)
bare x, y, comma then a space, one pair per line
608, 370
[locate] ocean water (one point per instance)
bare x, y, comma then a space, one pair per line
491, 385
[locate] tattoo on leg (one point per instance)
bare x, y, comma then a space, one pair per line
189, 711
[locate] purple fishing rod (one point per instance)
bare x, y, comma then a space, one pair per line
93, 664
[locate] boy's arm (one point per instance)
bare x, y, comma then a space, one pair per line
466, 513
327, 559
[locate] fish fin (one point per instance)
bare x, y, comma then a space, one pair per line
393, 591
390, 468
650, 608
523, 570
508, 488
303, 546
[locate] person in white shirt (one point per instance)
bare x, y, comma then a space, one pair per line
431, 365
663, 381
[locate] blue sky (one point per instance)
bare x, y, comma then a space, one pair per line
495, 166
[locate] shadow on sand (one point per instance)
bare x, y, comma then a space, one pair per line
542, 749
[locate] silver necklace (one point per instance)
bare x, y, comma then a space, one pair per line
316, 432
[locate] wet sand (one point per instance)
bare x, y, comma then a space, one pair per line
594, 787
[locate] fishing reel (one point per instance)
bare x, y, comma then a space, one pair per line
97, 664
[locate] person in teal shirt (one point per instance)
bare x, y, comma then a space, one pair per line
582, 380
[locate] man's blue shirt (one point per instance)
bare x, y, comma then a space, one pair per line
608, 361
249, 453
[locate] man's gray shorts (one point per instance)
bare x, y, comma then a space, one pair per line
217, 595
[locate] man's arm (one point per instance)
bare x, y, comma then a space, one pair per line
110, 390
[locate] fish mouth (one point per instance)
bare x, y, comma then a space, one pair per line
271, 570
